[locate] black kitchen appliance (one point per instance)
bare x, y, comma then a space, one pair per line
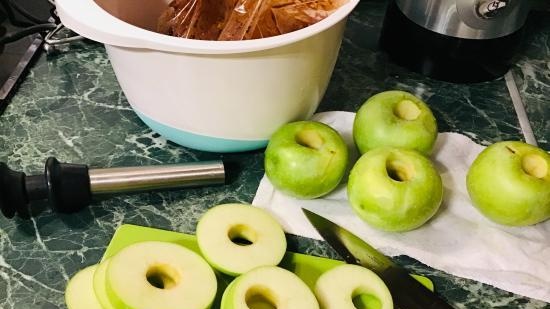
23, 24
454, 40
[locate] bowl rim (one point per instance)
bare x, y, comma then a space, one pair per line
88, 19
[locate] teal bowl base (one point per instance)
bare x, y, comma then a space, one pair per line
201, 142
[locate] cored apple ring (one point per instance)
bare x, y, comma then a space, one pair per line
235, 238
268, 287
157, 274
350, 286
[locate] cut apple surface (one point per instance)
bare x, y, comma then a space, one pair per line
268, 287
395, 119
509, 182
235, 238
79, 293
152, 275
394, 189
350, 287
306, 159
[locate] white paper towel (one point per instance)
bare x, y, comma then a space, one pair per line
458, 239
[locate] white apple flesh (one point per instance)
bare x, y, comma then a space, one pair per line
509, 182
79, 293
350, 286
395, 119
268, 287
152, 274
235, 238
306, 159
394, 189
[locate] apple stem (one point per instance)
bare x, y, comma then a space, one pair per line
512, 150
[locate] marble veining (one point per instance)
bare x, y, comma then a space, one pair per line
532, 74
70, 106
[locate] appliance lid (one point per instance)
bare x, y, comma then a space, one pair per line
468, 19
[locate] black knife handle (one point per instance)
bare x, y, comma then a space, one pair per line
408, 293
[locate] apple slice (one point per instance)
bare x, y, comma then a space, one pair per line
152, 274
509, 183
268, 287
395, 119
306, 159
351, 286
394, 189
99, 285
235, 238
79, 293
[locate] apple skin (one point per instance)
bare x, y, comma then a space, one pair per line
395, 119
99, 285
306, 159
394, 189
503, 190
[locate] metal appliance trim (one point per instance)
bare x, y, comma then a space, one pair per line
460, 19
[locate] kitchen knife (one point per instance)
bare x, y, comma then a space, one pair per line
407, 292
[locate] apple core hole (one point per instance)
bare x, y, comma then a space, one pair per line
310, 139
399, 170
534, 165
365, 301
407, 110
260, 297
162, 277
242, 235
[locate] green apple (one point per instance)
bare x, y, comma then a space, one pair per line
99, 285
395, 119
351, 286
153, 274
394, 189
79, 293
509, 182
306, 159
268, 287
235, 238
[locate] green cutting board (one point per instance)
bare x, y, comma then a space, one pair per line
307, 267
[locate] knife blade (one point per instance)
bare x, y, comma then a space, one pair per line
407, 292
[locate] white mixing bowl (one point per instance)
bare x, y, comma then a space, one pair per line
210, 95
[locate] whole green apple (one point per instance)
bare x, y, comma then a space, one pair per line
306, 159
395, 119
394, 189
509, 182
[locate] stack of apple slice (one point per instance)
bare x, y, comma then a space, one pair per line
394, 186
143, 276
236, 239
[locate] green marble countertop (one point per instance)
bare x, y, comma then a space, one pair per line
70, 106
